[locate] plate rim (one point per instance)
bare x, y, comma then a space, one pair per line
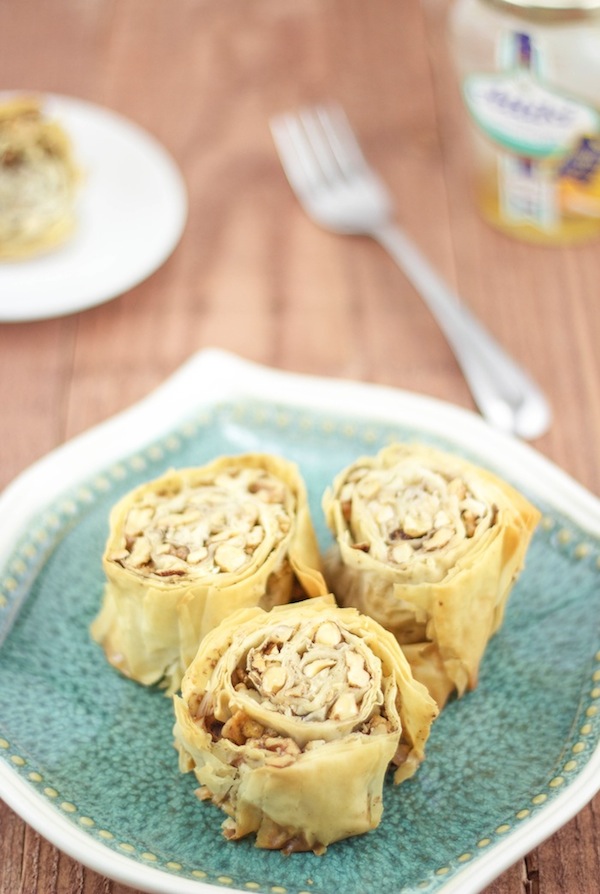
171, 173
233, 377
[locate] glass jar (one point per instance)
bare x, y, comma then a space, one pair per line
530, 78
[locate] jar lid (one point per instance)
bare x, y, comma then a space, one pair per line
553, 5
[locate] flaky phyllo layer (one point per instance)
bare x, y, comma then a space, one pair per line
187, 549
38, 180
429, 545
290, 719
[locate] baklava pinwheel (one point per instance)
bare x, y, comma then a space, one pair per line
430, 546
38, 180
291, 718
187, 549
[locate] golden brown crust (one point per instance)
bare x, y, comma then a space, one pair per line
429, 545
291, 718
190, 547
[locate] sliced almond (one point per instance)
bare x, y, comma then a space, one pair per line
357, 673
344, 708
141, 552
458, 488
177, 519
274, 679
315, 667
328, 634
401, 553
230, 558
256, 536
137, 520
197, 555
438, 539
417, 525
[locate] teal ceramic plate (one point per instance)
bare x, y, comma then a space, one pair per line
86, 756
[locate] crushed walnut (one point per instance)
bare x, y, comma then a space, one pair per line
205, 529
410, 511
312, 673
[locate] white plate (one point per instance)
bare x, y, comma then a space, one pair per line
132, 209
86, 756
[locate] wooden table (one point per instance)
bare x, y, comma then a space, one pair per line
253, 275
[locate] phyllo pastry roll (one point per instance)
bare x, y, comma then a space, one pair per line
189, 548
290, 719
430, 546
38, 180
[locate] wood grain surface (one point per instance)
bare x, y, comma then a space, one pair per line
253, 275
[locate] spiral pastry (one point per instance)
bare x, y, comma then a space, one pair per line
38, 180
290, 719
189, 548
430, 546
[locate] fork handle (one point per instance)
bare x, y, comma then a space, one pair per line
504, 393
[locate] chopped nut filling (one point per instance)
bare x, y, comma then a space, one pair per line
316, 674
206, 529
400, 513
37, 178
309, 673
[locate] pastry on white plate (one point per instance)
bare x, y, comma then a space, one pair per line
38, 180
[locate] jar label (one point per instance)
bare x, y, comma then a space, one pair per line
547, 142
527, 192
522, 115
579, 178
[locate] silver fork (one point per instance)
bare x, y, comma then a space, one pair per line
338, 190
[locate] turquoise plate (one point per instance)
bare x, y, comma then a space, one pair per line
86, 756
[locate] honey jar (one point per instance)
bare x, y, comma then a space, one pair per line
529, 74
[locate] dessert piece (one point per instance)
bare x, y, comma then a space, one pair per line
430, 546
38, 180
189, 548
290, 719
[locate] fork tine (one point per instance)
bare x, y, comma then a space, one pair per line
297, 159
319, 137
317, 146
342, 140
